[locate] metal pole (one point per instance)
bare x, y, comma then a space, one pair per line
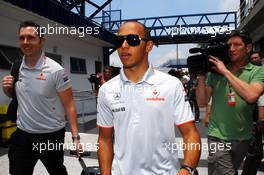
83, 111
177, 54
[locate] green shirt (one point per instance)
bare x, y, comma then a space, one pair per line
232, 122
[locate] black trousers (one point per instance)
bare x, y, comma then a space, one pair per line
26, 149
254, 154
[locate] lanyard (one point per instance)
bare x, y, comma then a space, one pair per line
229, 85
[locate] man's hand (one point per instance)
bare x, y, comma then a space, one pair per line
183, 172
7, 84
219, 65
78, 147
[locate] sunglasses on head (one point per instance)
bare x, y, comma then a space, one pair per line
131, 39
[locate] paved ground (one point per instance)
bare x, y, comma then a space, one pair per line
89, 137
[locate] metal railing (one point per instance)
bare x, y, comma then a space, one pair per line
85, 102
244, 9
159, 25
84, 95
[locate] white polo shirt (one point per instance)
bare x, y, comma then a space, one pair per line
39, 107
261, 100
144, 116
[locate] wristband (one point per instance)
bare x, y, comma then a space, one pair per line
188, 168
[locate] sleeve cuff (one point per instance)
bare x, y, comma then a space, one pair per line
103, 126
185, 122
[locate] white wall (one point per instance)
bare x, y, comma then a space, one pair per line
67, 46
73, 47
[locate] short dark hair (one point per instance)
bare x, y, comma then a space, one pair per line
257, 52
107, 67
146, 30
242, 34
172, 72
31, 24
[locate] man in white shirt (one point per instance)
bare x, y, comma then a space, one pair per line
44, 96
141, 107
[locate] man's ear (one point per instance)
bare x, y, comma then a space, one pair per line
249, 47
149, 46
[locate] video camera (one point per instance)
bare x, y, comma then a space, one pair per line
200, 64
94, 79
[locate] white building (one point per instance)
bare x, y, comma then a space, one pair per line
80, 56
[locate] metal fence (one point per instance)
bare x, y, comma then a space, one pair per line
85, 102
245, 7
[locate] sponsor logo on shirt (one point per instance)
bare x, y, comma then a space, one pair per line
155, 96
117, 95
119, 109
41, 76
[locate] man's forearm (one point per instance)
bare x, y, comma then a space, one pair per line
201, 93
242, 88
72, 119
105, 156
69, 107
192, 150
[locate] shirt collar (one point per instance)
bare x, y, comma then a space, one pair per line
39, 64
148, 76
249, 66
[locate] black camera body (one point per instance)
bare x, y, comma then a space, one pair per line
200, 64
94, 79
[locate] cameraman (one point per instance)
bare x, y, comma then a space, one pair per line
234, 89
100, 78
105, 76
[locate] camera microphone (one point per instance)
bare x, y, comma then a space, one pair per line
195, 50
